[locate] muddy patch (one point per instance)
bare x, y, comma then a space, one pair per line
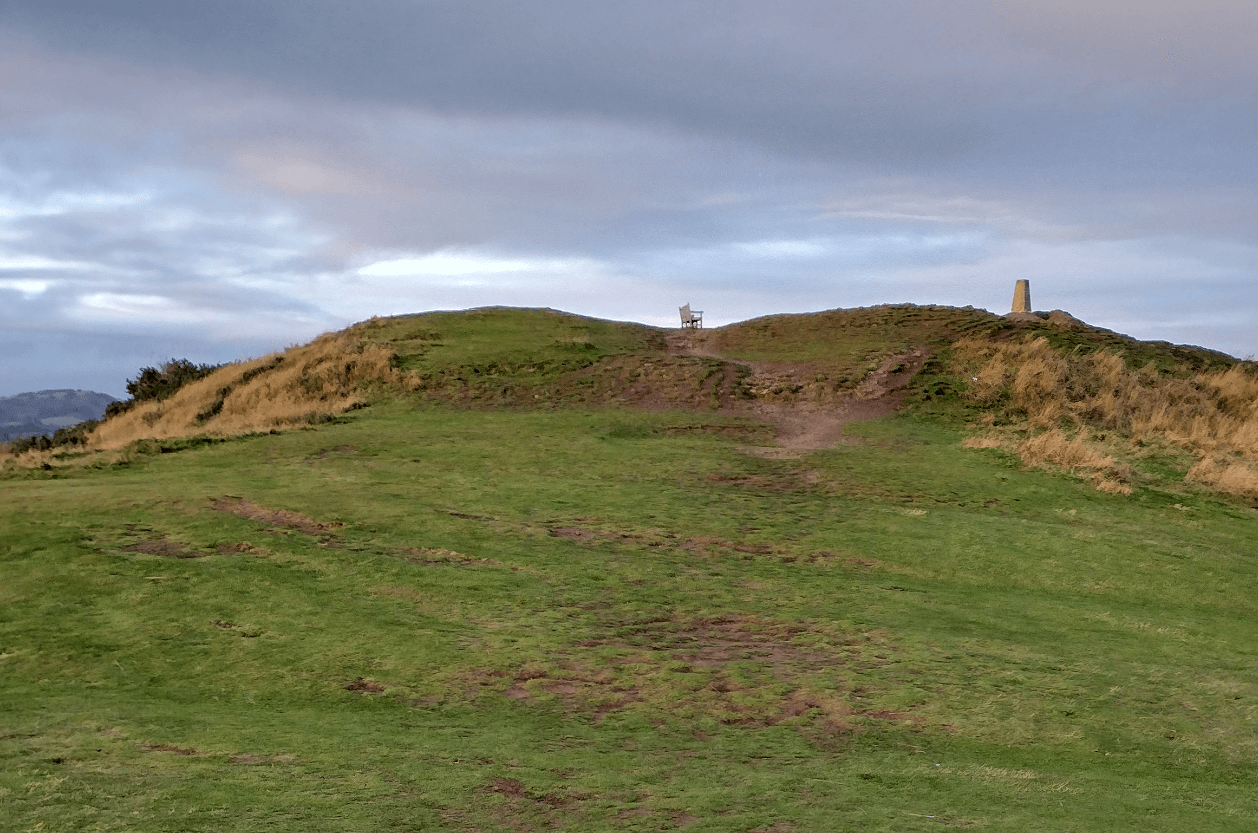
279, 518
739, 670
575, 533
467, 517
163, 547
338, 451
775, 482
237, 548
436, 556
580, 687
807, 409
708, 545
521, 808
167, 747
245, 758
245, 631
711, 642
364, 685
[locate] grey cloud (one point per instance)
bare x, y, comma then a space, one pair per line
237, 162
899, 83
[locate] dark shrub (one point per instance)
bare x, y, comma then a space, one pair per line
159, 383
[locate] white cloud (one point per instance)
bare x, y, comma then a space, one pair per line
783, 248
28, 262
447, 263
144, 309
28, 288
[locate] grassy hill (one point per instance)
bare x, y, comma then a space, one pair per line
572, 574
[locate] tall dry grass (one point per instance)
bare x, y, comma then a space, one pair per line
1055, 448
1211, 414
304, 384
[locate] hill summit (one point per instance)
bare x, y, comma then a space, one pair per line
1044, 386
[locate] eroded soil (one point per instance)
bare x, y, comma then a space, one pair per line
805, 423
741, 670
281, 518
163, 547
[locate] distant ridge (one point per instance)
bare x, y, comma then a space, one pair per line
44, 411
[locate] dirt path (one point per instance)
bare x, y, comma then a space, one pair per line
803, 426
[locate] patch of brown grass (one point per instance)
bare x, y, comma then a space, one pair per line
281, 518
1207, 413
1236, 476
305, 384
1114, 487
1055, 448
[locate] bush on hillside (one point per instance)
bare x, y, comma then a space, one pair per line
62, 437
159, 383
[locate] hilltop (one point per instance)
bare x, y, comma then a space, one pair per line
500, 570
1044, 386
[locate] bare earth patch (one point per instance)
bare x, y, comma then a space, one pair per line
525, 809
281, 518
166, 747
740, 670
325, 453
235, 548
163, 547
803, 425
433, 556
245, 758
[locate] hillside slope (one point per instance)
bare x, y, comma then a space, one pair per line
565, 574
432, 617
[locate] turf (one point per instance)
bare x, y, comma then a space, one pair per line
430, 618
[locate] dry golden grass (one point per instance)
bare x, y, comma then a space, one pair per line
1206, 413
1114, 487
1235, 476
301, 385
1056, 449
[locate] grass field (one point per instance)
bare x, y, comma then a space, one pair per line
423, 617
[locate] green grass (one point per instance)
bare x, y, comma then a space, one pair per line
530, 343
615, 620
852, 337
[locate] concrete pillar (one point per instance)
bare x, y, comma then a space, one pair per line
1022, 296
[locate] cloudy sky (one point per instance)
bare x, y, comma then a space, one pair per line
219, 180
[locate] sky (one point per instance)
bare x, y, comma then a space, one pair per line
216, 181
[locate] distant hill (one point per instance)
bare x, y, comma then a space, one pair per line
44, 411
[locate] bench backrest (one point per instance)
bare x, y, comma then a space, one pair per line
686, 316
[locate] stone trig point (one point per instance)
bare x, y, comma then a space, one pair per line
1022, 297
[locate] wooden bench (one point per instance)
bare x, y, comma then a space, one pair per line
691, 318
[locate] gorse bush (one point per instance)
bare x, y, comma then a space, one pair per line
159, 383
